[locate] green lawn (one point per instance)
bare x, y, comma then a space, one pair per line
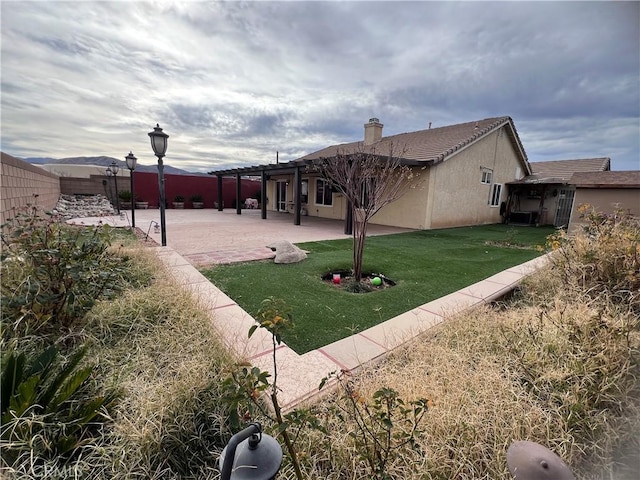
425, 265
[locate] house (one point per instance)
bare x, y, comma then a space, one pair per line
546, 196
460, 176
607, 192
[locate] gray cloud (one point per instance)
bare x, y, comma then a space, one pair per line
234, 82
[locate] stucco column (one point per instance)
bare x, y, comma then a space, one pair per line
220, 206
263, 195
297, 195
238, 193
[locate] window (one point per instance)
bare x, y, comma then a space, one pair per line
324, 195
496, 191
487, 174
304, 193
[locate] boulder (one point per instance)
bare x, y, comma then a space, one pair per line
286, 252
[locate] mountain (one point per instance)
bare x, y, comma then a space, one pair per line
39, 160
105, 162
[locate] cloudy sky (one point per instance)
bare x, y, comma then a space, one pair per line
234, 82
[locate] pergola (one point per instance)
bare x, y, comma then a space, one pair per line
265, 171
295, 168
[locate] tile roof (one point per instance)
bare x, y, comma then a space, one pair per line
560, 171
430, 145
618, 179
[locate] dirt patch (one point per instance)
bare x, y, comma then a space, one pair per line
505, 244
144, 239
370, 282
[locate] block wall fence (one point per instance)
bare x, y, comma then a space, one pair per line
23, 184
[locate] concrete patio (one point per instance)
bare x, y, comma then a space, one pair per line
198, 237
208, 236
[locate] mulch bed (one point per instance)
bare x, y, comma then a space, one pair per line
367, 280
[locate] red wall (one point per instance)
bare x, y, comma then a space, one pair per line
146, 188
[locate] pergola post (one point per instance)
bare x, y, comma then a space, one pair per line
263, 195
238, 193
297, 195
220, 201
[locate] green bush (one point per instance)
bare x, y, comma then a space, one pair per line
125, 195
53, 273
47, 409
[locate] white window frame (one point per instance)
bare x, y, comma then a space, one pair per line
326, 187
496, 195
487, 176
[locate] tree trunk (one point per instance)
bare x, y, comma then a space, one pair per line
359, 234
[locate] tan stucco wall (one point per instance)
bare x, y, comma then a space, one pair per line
410, 210
605, 200
446, 195
20, 182
459, 197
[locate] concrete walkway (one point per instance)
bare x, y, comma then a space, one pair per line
209, 236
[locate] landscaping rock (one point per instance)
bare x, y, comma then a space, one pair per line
286, 252
72, 206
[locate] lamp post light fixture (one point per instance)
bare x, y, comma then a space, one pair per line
114, 169
250, 454
131, 165
159, 145
109, 173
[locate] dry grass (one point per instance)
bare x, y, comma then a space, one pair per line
558, 365
473, 376
160, 349
163, 350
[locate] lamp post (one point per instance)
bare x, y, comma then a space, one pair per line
159, 145
114, 169
109, 173
131, 165
258, 457
532, 461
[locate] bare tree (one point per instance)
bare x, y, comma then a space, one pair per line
369, 181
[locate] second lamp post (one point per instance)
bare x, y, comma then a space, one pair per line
114, 169
159, 145
131, 165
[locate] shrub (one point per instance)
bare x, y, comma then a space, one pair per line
196, 198
53, 273
603, 257
178, 198
125, 195
46, 411
580, 359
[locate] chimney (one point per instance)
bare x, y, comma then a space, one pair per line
372, 131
